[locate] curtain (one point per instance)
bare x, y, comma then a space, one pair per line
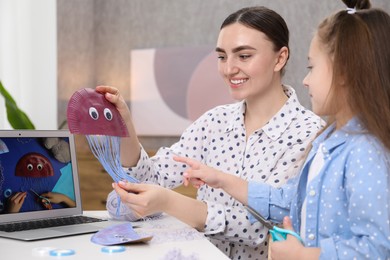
28, 59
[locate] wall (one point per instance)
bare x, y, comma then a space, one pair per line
28, 59
95, 38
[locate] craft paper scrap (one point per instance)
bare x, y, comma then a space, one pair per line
119, 234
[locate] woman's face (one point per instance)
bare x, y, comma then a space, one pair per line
247, 61
319, 78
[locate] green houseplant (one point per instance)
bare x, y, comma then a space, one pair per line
16, 117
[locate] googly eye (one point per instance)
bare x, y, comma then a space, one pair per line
30, 167
94, 114
108, 114
39, 167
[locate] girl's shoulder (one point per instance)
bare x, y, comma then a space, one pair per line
366, 145
364, 139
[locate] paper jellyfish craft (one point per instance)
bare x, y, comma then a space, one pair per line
89, 113
34, 170
34, 165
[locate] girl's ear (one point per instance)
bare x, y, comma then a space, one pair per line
281, 59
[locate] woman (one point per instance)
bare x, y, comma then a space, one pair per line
262, 137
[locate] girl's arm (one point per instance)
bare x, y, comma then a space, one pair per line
199, 174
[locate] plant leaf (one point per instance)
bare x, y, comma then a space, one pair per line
16, 117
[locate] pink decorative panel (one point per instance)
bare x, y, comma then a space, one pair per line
172, 87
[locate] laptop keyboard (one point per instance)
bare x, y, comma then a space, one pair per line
46, 223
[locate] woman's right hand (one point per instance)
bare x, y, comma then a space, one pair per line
113, 95
130, 148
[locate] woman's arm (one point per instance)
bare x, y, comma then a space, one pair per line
130, 148
147, 199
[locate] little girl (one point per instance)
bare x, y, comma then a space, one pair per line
340, 201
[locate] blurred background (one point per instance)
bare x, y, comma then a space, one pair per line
49, 49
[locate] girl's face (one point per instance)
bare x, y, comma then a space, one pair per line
247, 61
319, 78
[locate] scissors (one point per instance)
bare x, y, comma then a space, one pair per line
277, 233
45, 201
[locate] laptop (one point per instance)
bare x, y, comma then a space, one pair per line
39, 185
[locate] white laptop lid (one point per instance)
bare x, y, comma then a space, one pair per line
37, 161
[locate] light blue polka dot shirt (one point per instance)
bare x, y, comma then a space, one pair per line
347, 213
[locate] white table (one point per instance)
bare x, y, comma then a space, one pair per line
171, 238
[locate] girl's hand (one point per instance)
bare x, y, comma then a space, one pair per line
291, 248
57, 198
15, 202
54, 197
199, 174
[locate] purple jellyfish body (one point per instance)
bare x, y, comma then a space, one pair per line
89, 113
34, 165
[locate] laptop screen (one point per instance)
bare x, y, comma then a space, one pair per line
38, 174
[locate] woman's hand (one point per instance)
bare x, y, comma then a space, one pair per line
130, 148
199, 174
113, 95
143, 199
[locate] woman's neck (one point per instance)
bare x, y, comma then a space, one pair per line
259, 110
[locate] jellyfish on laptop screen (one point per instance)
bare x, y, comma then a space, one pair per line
34, 169
90, 114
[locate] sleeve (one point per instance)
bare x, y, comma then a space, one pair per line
232, 224
235, 224
272, 203
161, 168
367, 189
273, 198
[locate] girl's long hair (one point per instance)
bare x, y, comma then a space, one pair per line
359, 46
